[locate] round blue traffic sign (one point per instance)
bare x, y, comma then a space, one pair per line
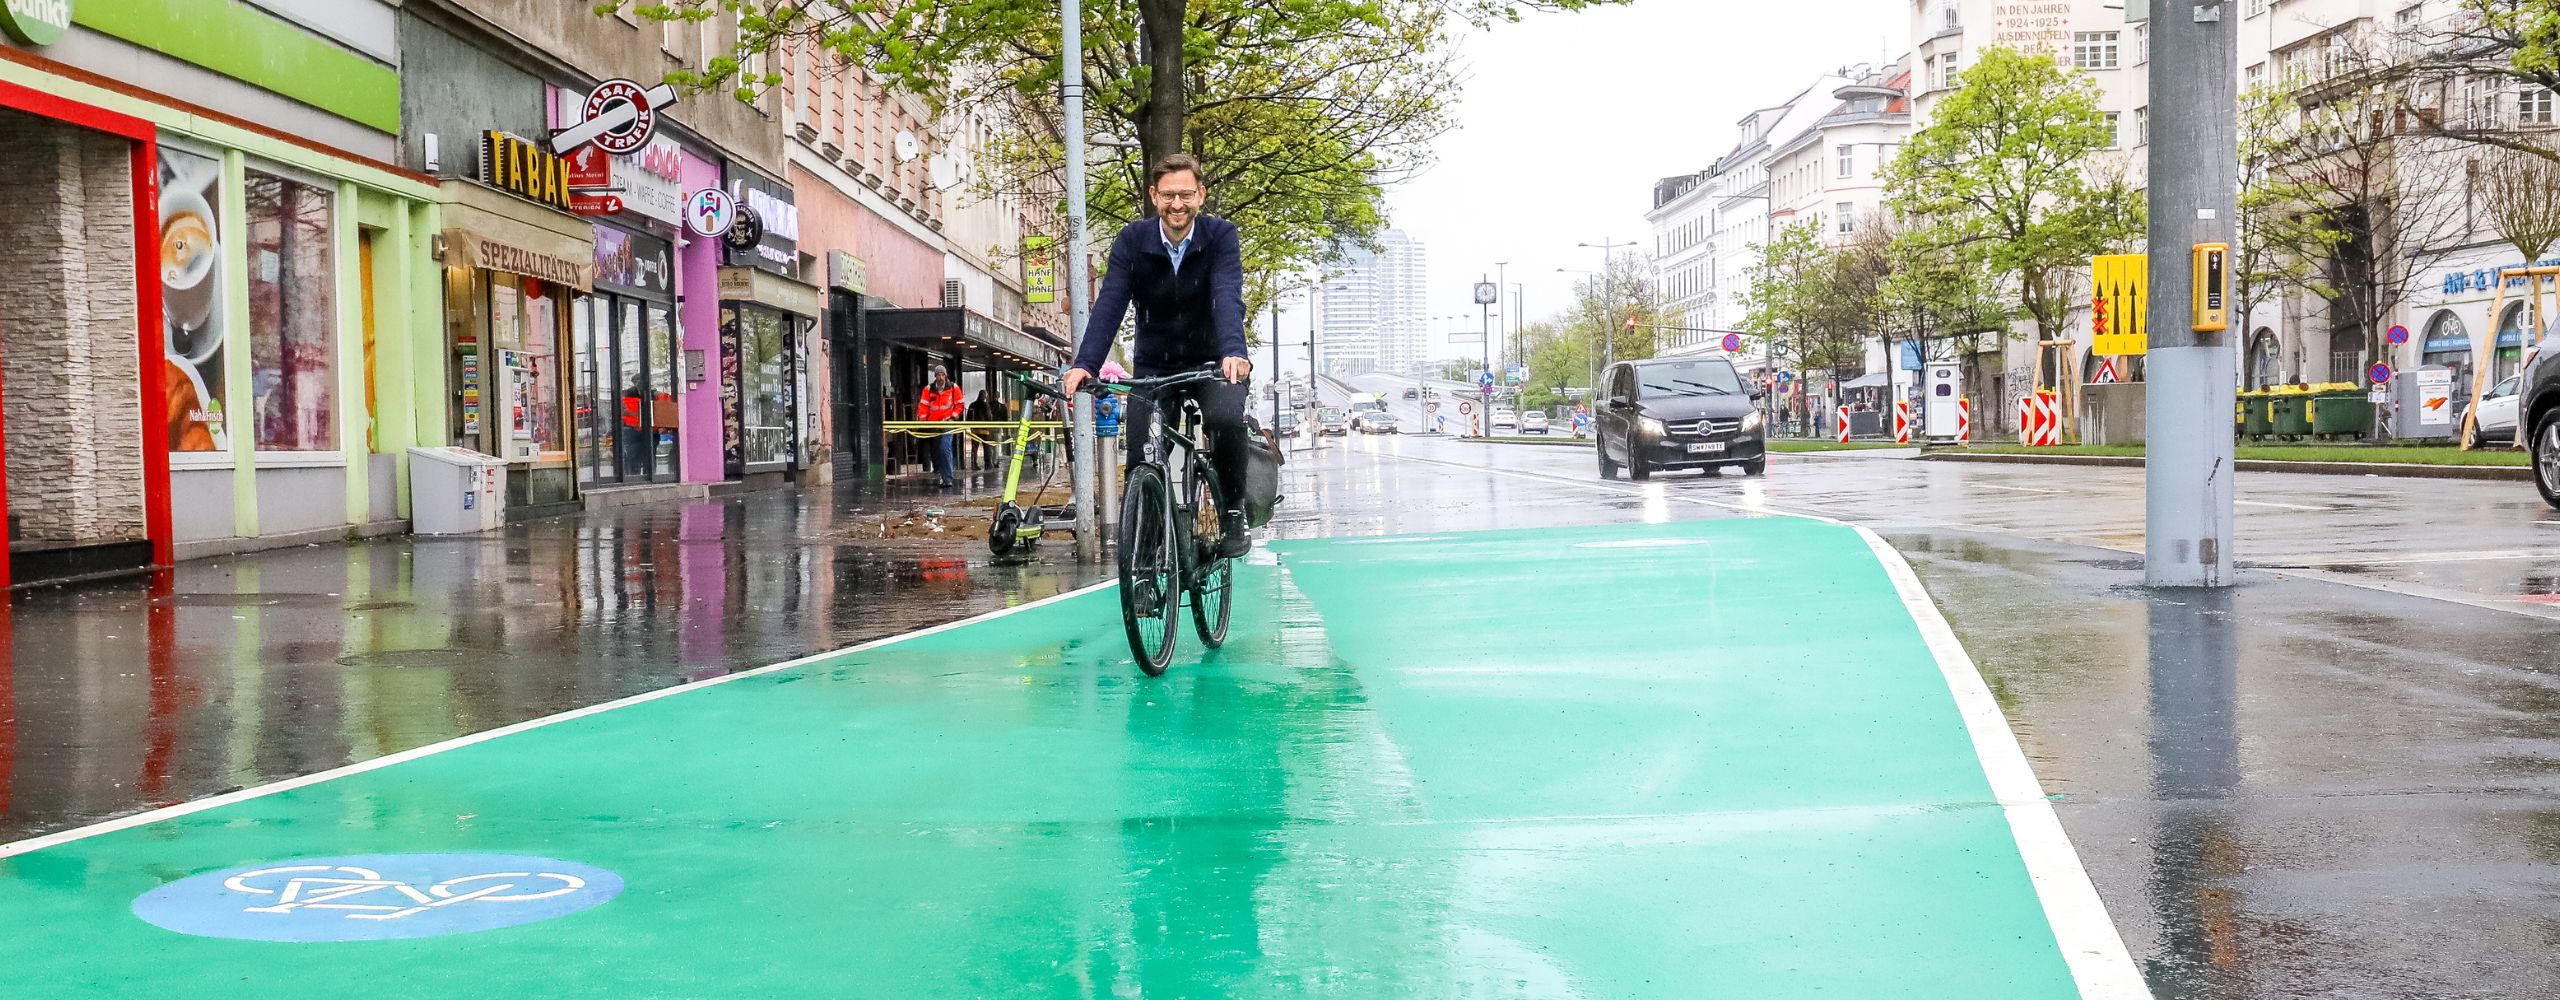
376, 897
2380, 373
1484, 379
1732, 343
2399, 334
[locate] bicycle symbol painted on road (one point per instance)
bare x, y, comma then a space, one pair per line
376, 897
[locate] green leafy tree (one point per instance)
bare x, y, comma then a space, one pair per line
1949, 303
2004, 179
1300, 110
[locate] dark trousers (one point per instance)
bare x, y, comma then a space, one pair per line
942, 456
1222, 409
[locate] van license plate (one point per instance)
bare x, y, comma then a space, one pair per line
1707, 448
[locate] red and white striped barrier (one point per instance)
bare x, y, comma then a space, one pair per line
1964, 421
1902, 421
2040, 420
1843, 421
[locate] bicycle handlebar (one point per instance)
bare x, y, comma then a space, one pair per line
1153, 386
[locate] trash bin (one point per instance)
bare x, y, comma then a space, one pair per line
2289, 416
455, 491
2258, 417
2341, 414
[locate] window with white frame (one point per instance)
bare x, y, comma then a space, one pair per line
1848, 218
1945, 68
2094, 49
1848, 161
2257, 7
2142, 43
2533, 106
2115, 130
2142, 126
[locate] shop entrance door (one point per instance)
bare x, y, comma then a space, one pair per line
628, 363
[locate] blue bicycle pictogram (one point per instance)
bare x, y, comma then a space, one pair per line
376, 897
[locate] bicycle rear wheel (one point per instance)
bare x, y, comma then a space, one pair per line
1150, 569
1215, 582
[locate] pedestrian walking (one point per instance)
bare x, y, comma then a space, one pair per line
941, 401
983, 409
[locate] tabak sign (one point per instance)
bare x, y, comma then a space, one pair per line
36, 22
647, 182
522, 168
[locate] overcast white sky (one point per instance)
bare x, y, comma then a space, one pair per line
1567, 120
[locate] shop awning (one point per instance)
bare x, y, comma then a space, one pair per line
490, 229
968, 335
1871, 380
765, 288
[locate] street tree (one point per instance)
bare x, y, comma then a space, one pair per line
2276, 240
1949, 303
2005, 179
1301, 110
2350, 197
2520, 193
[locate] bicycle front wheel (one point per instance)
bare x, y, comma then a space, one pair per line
1215, 581
1150, 569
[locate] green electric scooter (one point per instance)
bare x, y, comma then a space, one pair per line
1018, 527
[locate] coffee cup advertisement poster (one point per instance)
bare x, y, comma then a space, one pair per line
191, 297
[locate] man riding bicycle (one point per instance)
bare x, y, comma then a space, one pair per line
1185, 274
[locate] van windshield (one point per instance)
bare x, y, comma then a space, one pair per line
1687, 378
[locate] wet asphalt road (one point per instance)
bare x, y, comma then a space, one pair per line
2300, 788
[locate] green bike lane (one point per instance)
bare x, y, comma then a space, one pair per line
1733, 757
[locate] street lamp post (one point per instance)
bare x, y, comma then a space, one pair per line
2194, 196
1079, 285
1608, 309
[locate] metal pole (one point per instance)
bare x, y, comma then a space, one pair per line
1081, 467
1609, 312
1274, 380
1484, 323
2194, 197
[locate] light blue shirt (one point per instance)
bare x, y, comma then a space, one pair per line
1173, 249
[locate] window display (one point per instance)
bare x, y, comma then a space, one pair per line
292, 314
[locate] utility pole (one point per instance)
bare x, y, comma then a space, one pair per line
2194, 200
1487, 293
1079, 283
1274, 379
1502, 280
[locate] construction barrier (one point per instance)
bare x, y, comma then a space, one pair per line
1843, 421
1964, 421
1902, 421
2040, 419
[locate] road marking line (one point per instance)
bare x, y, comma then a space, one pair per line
2279, 506
2013, 489
261, 791
2090, 944
2502, 555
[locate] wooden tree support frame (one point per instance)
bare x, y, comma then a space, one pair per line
2535, 278
2068, 371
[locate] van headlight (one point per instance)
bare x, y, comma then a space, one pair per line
1751, 422
1650, 426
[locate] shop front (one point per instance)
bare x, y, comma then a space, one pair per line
517, 263
908, 343
766, 321
629, 361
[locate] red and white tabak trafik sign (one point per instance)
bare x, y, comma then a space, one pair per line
647, 182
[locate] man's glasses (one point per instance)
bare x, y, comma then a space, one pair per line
1178, 196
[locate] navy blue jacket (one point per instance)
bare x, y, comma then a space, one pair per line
1186, 319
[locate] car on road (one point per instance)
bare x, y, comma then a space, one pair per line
1359, 407
2538, 400
1374, 422
2495, 427
1411, 392
1680, 413
1291, 423
1533, 422
1503, 416
1332, 421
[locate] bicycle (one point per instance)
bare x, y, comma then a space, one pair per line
1169, 532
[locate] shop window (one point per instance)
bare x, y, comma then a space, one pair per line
292, 314
765, 378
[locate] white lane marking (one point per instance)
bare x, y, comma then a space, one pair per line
2423, 557
2090, 945
2013, 489
415, 753
2279, 506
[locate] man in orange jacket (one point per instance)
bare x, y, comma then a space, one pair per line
941, 401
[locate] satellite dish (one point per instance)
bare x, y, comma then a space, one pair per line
908, 147
945, 173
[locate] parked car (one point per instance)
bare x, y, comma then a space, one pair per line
1675, 413
1375, 422
2495, 426
1533, 422
1359, 407
2539, 403
1333, 422
1503, 416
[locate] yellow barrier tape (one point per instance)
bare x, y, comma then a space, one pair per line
988, 432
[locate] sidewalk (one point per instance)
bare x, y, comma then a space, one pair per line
239, 670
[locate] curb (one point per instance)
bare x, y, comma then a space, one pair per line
2397, 470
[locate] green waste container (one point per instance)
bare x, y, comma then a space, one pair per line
2257, 415
2341, 414
2289, 417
